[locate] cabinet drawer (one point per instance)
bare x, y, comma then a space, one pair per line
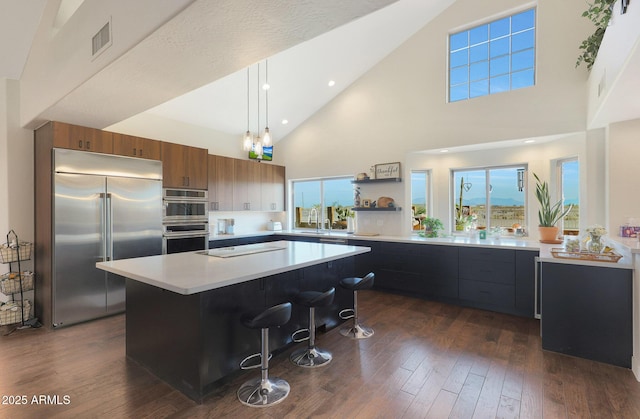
472, 254
399, 281
440, 287
401, 249
488, 265
488, 293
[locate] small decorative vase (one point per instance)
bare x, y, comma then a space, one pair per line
459, 226
351, 225
595, 243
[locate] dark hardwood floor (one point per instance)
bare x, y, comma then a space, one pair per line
426, 359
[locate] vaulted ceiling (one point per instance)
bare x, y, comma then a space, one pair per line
302, 58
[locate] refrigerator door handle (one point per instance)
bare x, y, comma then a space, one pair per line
103, 224
109, 229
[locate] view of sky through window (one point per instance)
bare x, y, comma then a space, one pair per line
492, 58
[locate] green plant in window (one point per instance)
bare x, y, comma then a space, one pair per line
342, 213
432, 226
599, 12
549, 214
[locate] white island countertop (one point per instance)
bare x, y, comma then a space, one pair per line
194, 272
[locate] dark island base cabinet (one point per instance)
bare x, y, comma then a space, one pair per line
200, 342
587, 312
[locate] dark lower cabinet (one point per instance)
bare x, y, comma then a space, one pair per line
494, 279
587, 312
498, 279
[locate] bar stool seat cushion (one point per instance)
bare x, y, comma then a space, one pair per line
315, 298
264, 318
356, 283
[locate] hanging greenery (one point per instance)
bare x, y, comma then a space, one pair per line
599, 12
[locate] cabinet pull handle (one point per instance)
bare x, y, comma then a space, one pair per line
87, 145
134, 151
140, 154
79, 143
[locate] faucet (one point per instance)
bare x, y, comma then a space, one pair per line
313, 211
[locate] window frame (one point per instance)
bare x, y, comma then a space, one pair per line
323, 204
561, 189
467, 66
427, 195
487, 170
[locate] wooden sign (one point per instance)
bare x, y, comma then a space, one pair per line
388, 171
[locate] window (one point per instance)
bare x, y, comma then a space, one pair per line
569, 177
322, 203
492, 58
491, 197
420, 180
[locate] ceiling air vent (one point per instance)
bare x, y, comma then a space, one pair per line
101, 40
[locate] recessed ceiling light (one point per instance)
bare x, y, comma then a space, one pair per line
444, 150
529, 141
285, 121
331, 83
266, 86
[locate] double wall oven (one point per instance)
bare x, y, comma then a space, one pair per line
185, 223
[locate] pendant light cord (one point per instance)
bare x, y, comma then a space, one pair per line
248, 99
266, 93
258, 79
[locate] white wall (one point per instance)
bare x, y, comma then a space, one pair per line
400, 105
623, 155
16, 170
540, 158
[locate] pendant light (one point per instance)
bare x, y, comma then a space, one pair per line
257, 144
247, 143
266, 138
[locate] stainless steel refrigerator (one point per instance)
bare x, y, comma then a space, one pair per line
105, 208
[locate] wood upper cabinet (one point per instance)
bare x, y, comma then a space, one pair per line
129, 145
273, 187
221, 179
82, 138
184, 166
247, 189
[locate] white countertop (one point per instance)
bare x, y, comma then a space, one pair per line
194, 272
511, 242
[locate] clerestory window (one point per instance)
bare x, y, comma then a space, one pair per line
492, 58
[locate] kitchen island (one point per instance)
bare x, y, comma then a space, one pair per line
183, 309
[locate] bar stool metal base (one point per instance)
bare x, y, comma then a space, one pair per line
263, 393
357, 331
311, 357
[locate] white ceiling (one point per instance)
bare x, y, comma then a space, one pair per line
298, 76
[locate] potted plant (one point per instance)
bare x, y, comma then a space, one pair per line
344, 217
599, 12
431, 226
548, 214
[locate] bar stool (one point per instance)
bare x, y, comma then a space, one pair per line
357, 331
311, 357
264, 391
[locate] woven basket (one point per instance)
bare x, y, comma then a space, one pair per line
11, 317
10, 282
9, 254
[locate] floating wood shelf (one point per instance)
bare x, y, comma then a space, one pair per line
376, 209
393, 180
